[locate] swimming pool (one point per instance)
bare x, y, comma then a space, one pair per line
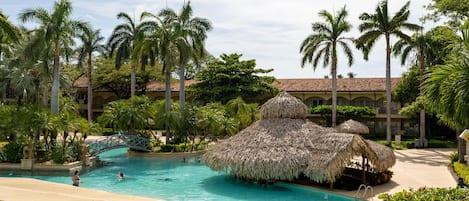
173, 180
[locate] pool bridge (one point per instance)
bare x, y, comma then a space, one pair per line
106, 143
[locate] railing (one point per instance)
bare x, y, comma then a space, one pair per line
366, 189
119, 140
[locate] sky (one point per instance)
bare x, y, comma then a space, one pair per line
269, 31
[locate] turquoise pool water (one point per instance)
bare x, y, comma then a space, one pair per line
173, 180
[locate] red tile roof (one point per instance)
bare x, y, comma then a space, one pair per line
343, 84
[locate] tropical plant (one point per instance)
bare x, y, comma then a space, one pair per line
123, 42
192, 31
242, 112
9, 33
375, 25
323, 44
130, 115
91, 42
421, 44
58, 29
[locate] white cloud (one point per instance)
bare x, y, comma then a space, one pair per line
269, 31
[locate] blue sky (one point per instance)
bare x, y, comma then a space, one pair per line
269, 31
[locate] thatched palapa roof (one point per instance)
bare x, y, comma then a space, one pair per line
284, 145
352, 126
386, 156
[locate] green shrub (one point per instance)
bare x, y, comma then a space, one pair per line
13, 152
167, 148
453, 157
426, 194
461, 170
348, 111
58, 155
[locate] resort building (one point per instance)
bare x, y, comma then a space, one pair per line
370, 92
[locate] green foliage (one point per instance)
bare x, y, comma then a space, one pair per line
425, 194
347, 111
413, 110
461, 170
453, 157
118, 80
408, 88
452, 10
128, 115
59, 155
12, 152
228, 77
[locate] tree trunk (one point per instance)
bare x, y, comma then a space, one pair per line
56, 81
182, 95
133, 80
422, 112
334, 89
168, 102
388, 91
90, 89
461, 147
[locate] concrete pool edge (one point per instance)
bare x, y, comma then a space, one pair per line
19, 189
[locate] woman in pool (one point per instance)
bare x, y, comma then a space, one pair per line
76, 178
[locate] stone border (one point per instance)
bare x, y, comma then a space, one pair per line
42, 168
166, 155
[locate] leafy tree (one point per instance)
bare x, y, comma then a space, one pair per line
57, 28
118, 81
408, 88
323, 44
91, 42
375, 25
454, 10
228, 77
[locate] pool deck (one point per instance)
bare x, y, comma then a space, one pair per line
414, 168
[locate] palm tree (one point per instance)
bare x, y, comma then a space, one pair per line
193, 32
166, 43
91, 42
323, 44
123, 42
375, 25
58, 29
8, 32
422, 45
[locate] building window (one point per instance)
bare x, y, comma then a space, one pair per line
363, 101
313, 102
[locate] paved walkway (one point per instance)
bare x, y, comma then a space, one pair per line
416, 168
20, 189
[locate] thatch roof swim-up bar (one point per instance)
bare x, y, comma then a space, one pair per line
284, 145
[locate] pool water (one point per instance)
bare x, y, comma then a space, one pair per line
174, 180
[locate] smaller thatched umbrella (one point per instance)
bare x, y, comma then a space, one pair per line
352, 126
386, 157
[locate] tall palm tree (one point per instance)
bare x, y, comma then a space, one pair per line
123, 41
375, 25
58, 29
323, 44
91, 42
193, 31
422, 46
166, 43
9, 33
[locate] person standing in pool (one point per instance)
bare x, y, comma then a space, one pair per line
76, 178
120, 176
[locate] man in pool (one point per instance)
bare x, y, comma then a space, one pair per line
120, 176
76, 179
